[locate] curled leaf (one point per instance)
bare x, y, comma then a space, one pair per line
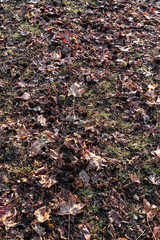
42, 214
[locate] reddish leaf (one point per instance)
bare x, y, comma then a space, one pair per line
134, 178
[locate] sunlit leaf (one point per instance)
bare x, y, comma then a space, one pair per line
76, 90
95, 161
42, 214
70, 207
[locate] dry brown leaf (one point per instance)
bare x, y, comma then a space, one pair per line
70, 207
26, 96
35, 148
114, 217
42, 214
154, 180
156, 232
22, 133
8, 216
85, 231
149, 210
46, 181
76, 90
95, 161
62, 232
39, 229
157, 151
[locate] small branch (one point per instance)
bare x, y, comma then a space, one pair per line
151, 229
69, 225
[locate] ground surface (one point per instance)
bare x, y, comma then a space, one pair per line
79, 120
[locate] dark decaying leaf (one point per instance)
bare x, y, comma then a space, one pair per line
114, 217
39, 229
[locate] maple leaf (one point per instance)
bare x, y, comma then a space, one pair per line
94, 161
42, 214
70, 207
76, 90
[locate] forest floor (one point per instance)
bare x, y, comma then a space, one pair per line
79, 120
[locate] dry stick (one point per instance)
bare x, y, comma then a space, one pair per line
140, 235
151, 229
74, 99
69, 224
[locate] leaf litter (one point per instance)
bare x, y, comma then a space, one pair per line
79, 120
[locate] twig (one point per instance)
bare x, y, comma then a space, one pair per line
69, 224
74, 100
151, 229
140, 235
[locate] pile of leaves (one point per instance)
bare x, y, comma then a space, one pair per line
79, 119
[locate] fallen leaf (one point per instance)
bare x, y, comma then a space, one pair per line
156, 232
85, 231
8, 216
46, 181
149, 210
84, 176
76, 90
114, 217
94, 161
62, 232
22, 133
42, 214
154, 180
134, 178
70, 207
26, 96
38, 229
